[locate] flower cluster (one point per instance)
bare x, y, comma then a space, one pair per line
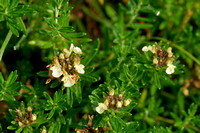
25, 117
113, 101
161, 57
66, 66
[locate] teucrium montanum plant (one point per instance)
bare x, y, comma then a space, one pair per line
123, 82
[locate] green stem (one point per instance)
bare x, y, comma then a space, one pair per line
187, 53
24, 36
5, 43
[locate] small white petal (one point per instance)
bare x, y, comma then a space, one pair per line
170, 69
68, 81
145, 49
127, 102
77, 50
71, 47
56, 71
150, 48
101, 108
67, 52
155, 61
80, 68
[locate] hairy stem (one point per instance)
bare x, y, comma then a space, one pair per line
5, 43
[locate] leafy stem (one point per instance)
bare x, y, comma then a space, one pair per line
7, 39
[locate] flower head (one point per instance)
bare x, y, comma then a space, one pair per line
161, 57
66, 66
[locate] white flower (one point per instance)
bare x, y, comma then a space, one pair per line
44, 131
76, 50
145, 49
101, 108
106, 102
33, 117
112, 92
20, 124
56, 68
170, 68
155, 61
127, 102
119, 104
79, 67
67, 79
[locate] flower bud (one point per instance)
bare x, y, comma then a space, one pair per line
112, 92
33, 117
29, 109
62, 56
169, 51
27, 122
153, 50
127, 102
106, 102
44, 131
113, 102
20, 124
155, 61
19, 113
119, 104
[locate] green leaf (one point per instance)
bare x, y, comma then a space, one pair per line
181, 100
13, 29
55, 84
99, 121
62, 118
89, 78
131, 126
69, 96
49, 99
142, 26
43, 73
11, 78
13, 127
8, 97
51, 23
92, 54
21, 25
193, 109
14, 3
156, 80
78, 93
1, 78
69, 36
51, 113
66, 29
19, 130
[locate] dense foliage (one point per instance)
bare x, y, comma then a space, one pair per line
95, 66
